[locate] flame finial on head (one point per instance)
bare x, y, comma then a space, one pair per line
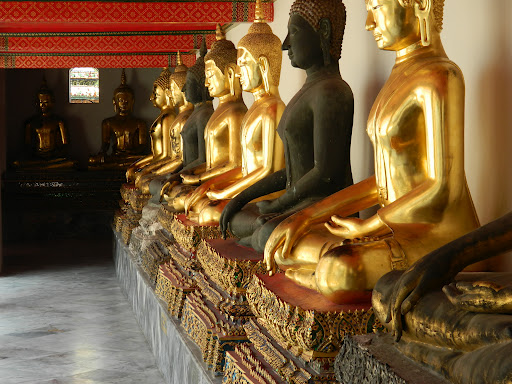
219, 33
203, 49
178, 59
123, 77
258, 13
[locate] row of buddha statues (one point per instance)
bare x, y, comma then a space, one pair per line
124, 136
278, 177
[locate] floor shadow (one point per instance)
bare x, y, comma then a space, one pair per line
25, 257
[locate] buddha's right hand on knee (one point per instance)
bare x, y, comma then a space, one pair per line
282, 240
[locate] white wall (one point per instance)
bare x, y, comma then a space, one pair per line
478, 37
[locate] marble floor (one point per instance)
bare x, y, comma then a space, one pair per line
64, 320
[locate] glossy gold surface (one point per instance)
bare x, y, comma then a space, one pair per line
416, 127
222, 133
259, 53
175, 158
160, 129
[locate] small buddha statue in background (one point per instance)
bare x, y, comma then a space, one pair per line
160, 129
416, 127
192, 133
46, 136
316, 128
222, 133
123, 134
259, 60
175, 160
459, 324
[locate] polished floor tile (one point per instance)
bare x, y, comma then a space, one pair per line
64, 320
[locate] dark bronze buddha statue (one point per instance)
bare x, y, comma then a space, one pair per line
46, 136
316, 128
459, 324
123, 136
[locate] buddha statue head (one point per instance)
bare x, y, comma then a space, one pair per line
123, 97
195, 90
178, 80
398, 24
259, 56
45, 98
315, 32
220, 67
161, 96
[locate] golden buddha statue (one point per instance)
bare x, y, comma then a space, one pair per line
464, 330
222, 133
46, 136
416, 126
124, 134
174, 161
316, 128
192, 133
259, 60
160, 129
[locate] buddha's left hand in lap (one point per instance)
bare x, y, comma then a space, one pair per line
355, 228
480, 296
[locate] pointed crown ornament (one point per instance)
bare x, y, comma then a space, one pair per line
261, 41
223, 52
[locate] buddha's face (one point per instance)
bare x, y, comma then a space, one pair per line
159, 99
45, 103
192, 89
302, 43
176, 94
394, 27
123, 102
215, 79
250, 73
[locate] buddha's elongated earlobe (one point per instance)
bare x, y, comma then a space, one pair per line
263, 64
325, 40
422, 11
231, 79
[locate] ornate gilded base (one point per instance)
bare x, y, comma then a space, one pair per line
129, 221
173, 286
211, 330
139, 200
154, 256
245, 365
229, 265
188, 234
373, 358
165, 216
304, 322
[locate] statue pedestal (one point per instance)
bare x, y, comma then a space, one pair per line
298, 332
213, 316
145, 233
178, 358
175, 280
373, 358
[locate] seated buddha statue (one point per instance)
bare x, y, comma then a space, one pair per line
259, 60
459, 324
316, 128
174, 161
123, 134
160, 129
222, 133
46, 137
416, 127
192, 133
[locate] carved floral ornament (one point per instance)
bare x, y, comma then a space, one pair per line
118, 34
